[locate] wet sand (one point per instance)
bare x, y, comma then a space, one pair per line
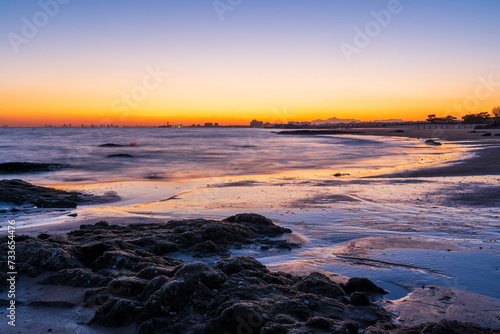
484, 162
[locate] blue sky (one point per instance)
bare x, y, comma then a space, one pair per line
262, 55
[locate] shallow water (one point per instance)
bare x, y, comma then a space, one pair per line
214, 173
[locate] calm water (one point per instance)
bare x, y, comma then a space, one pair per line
170, 154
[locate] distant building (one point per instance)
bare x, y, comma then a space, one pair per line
216, 124
256, 124
209, 125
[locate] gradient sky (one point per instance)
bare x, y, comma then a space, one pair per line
273, 60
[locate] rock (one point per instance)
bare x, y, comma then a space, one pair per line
43, 236
295, 308
320, 322
154, 271
320, 284
208, 248
432, 142
120, 155
358, 284
274, 328
154, 285
487, 134
90, 253
249, 218
116, 312
360, 299
200, 272
96, 297
20, 192
126, 286
258, 224
348, 326
77, 277
53, 259
73, 215
242, 317
164, 247
236, 264
117, 260
110, 145
28, 167
175, 296
102, 223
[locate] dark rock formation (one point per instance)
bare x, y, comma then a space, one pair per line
28, 167
359, 284
110, 145
432, 142
120, 155
132, 282
20, 192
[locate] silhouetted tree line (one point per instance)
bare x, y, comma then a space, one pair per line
479, 118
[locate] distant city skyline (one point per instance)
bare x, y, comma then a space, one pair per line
139, 63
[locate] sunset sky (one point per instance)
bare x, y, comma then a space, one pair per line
106, 61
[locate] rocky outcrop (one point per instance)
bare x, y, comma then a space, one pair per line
28, 167
432, 142
131, 281
19, 192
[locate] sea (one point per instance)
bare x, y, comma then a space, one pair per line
174, 154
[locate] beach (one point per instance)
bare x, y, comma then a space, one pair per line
419, 221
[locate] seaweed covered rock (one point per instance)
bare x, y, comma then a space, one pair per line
360, 284
131, 282
78, 277
28, 167
20, 192
321, 285
242, 317
237, 264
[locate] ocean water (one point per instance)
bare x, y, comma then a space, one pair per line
173, 154
215, 173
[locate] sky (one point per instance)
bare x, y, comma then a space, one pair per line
150, 62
